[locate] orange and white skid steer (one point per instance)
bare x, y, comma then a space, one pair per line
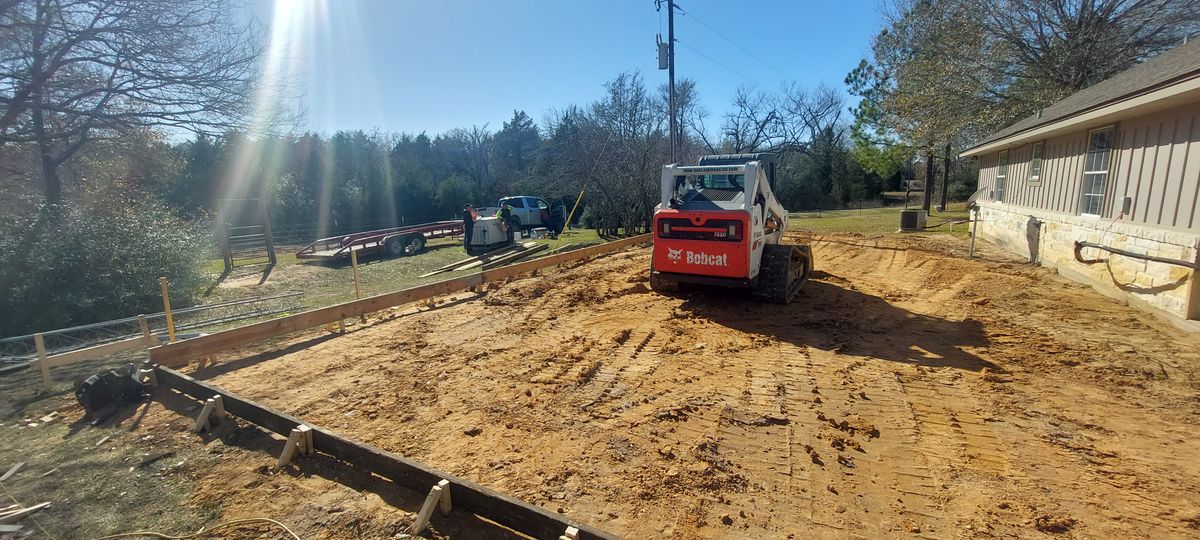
719, 223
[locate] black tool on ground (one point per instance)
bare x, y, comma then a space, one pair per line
111, 389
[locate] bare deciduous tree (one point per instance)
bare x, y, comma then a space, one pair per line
475, 144
72, 71
782, 123
756, 123
1068, 45
812, 112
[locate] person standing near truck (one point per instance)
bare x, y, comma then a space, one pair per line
469, 216
507, 220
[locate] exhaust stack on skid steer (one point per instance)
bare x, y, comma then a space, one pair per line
719, 223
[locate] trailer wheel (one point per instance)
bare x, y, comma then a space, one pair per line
415, 244
395, 246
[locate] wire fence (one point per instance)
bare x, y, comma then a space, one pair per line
188, 322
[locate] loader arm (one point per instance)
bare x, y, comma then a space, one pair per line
770, 206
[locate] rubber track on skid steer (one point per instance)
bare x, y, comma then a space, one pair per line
774, 283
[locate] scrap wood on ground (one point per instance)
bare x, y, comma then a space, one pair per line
12, 514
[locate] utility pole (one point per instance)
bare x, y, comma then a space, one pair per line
670, 73
945, 177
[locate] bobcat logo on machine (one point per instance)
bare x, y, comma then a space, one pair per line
704, 259
674, 254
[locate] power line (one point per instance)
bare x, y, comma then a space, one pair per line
715, 61
735, 44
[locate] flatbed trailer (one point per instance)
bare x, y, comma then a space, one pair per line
395, 242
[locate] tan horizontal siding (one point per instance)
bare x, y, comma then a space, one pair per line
1155, 160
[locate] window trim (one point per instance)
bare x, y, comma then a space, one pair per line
1083, 195
1000, 186
1037, 157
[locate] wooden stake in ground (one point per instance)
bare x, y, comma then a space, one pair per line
214, 409
354, 263
439, 496
300, 440
162, 281
145, 326
43, 366
357, 287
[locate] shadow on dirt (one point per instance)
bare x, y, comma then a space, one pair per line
222, 368
241, 434
111, 418
830, 314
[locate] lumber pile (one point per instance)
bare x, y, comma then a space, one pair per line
491, 259
13, 513
514, 257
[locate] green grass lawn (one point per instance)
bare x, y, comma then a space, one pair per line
874, 221
330, 283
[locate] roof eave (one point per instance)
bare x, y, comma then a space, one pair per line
1189, 84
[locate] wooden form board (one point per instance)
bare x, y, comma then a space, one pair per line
95, 352
44, 362
485, 502
181, 352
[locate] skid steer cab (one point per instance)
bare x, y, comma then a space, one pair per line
719, 223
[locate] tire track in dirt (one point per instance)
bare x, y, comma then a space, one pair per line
612, 377
871, 424
944, 415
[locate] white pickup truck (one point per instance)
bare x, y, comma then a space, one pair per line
532, 212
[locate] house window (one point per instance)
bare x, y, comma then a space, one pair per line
1001, 176
1035, 163
1095, 171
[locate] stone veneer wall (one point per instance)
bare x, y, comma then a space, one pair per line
1161, 287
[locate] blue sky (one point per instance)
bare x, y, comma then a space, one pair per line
434, 65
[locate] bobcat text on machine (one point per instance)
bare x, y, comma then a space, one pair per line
719, 223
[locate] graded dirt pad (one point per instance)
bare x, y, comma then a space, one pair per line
906, 392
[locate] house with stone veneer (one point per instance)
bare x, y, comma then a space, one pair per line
1115, 165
